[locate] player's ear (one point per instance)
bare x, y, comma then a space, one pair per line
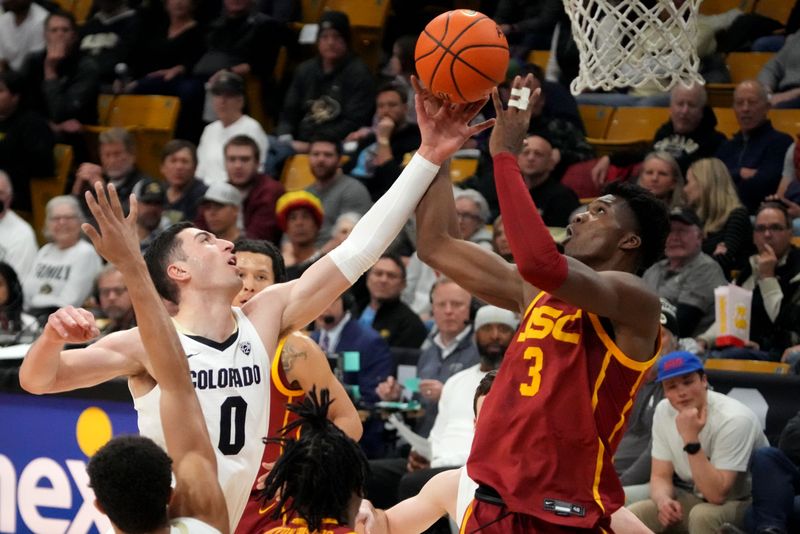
177, 271
630, 241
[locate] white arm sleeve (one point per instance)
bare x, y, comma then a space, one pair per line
381, 224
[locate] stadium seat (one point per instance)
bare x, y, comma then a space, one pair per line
296, 173
786, 120
747, 366
720, 95
310, 10
630, 128
796, 240
80, 9
43, 189
150, 118
746, 65
596, 119
539, 58
726, 121
714, 7
775, 9
462, 168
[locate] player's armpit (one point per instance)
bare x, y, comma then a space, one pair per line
305, 364
621, 297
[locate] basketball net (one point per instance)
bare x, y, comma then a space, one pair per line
632, 43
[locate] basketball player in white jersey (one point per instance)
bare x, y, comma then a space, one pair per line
131, 475
449, 493
230, 350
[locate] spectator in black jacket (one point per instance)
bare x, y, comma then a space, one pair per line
26, 141
330, 95
61, 82
384, 312
110, 36
555, 201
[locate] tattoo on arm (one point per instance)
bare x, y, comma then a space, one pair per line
288, 356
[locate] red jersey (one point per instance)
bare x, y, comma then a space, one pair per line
256, 515
299, 526
554, 417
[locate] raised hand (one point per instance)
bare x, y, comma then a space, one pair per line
117, 241
444, 127
71, 325
512, 124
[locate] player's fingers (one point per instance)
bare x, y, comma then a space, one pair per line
498, 104
102, 197
57, 324
133, 209
92, 234
116, 205
93, 206
478, 128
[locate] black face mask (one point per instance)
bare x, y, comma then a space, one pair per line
2, 208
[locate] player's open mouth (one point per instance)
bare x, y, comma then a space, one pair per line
232, 261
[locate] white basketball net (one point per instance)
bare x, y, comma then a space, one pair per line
624, 43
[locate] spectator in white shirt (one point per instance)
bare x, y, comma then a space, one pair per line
17, 240
21, 32
228, 101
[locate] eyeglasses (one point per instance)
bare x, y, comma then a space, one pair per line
773, 228
59, 218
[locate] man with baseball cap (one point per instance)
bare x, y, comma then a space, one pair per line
220, 210
151, 196
702, 443
687, 276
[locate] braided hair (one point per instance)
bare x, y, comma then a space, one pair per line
318, 473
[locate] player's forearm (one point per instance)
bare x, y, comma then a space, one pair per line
381, 224
436, 217
708, 479
535, 252
39, 370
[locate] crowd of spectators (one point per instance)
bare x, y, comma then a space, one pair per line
734, 207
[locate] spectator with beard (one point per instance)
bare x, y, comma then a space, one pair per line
117, 166
396, 479
115, 304
555, 201
384, 311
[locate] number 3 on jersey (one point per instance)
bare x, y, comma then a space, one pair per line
534, 372
232, 414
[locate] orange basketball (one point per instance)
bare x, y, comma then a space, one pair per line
461, 55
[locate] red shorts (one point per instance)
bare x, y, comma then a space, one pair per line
487, 518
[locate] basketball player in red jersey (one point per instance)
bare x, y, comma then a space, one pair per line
589, 333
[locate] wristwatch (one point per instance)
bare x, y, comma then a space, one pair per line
691, 448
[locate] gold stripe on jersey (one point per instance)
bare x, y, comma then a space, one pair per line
625, 360
276, 375
601, 449
467, 514
628, 406
601, 376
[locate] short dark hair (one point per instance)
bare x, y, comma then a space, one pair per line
176, 145
266, 248
12, 308
393, 87
318, 473
397, 261
131, 478
651, 220
483, 388
163, 249
244, 140
776, 205
327, 139
61, 14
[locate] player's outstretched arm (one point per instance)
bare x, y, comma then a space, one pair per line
444, 129
197, 491
481, 272
304, 363
609, 294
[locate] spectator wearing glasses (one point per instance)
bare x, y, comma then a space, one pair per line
773, 275
472, 211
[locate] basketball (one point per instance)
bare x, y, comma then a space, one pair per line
461, 55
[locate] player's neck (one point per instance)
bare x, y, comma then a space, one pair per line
198, 315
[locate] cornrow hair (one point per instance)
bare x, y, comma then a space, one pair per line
318, 473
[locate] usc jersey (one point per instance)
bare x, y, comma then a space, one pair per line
554, 417
299, 526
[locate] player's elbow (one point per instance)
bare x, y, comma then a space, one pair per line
28, 382
431, 249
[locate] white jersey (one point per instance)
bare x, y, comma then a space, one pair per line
190, 525
466, 493
232, 384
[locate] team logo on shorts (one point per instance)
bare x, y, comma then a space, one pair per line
245, 347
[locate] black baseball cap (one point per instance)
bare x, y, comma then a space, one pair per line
228, 83
686, 216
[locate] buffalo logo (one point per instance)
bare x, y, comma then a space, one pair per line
245, 348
